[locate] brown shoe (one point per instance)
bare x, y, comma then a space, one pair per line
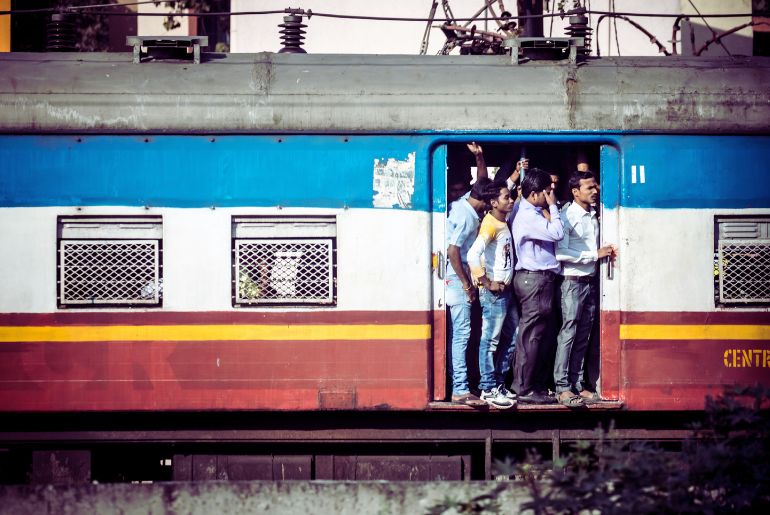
468, 399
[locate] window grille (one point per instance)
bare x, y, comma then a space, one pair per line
110, 261
742, 256
284, 260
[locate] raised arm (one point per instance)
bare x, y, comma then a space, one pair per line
542, 229
481, 164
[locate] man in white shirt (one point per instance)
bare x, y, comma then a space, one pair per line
579, 252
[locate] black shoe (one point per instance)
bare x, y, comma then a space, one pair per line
536, 398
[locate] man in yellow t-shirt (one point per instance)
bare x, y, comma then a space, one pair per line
490, 259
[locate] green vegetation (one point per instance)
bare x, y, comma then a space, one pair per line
724, 467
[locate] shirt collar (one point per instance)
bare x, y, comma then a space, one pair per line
528, 205
575, 208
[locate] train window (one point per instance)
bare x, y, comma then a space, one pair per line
108, 261
742, 260
288, 260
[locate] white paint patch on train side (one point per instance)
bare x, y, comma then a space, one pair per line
393, 182
666, 258
383, 258
642, 177
28, 259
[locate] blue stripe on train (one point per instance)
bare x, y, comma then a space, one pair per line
728, 172
193, 171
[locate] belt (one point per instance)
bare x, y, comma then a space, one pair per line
537, 272
579, 278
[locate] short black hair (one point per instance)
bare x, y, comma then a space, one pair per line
479, 187
535, 180
492, 191
577, 176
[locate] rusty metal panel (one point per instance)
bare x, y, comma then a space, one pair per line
241, 467
61, 467
448, 468
247, 468
324, 466
390, 468
292, 467
344, 468
181, 467
204, 468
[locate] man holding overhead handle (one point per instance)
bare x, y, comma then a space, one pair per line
535, 239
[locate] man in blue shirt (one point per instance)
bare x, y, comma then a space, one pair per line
462, 227
534, 238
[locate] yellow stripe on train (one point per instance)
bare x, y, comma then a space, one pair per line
694, 332
214, 332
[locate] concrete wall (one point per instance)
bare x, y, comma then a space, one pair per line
285, 498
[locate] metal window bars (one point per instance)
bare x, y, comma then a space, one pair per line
744, 271
109, 272
284, 260
285, 272
742, 256
110, 261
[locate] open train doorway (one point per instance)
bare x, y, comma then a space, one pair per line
458, 166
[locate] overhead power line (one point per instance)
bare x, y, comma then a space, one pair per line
310, 13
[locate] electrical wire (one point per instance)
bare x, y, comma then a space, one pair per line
75, 7
310, 13
713, 32
615, 24
113, 4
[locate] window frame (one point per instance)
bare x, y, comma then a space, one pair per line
109, 229
283, 230
739, 235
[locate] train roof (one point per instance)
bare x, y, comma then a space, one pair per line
267, 92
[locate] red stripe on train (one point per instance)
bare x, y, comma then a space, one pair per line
679, 374
259, 375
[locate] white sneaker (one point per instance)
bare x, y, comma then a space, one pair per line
505, 391
495, 398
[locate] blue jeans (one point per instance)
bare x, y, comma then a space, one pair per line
578, 307
460, 312
508, 338
494, 308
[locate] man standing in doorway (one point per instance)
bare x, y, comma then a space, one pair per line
491, 262
535, 240
579, 252
462, 227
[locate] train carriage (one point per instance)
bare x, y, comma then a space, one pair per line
266, 232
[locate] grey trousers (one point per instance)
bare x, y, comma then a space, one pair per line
578, 308
535, 293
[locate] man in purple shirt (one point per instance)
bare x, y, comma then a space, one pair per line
534, 238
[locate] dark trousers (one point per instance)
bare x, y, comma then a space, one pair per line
533, 346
